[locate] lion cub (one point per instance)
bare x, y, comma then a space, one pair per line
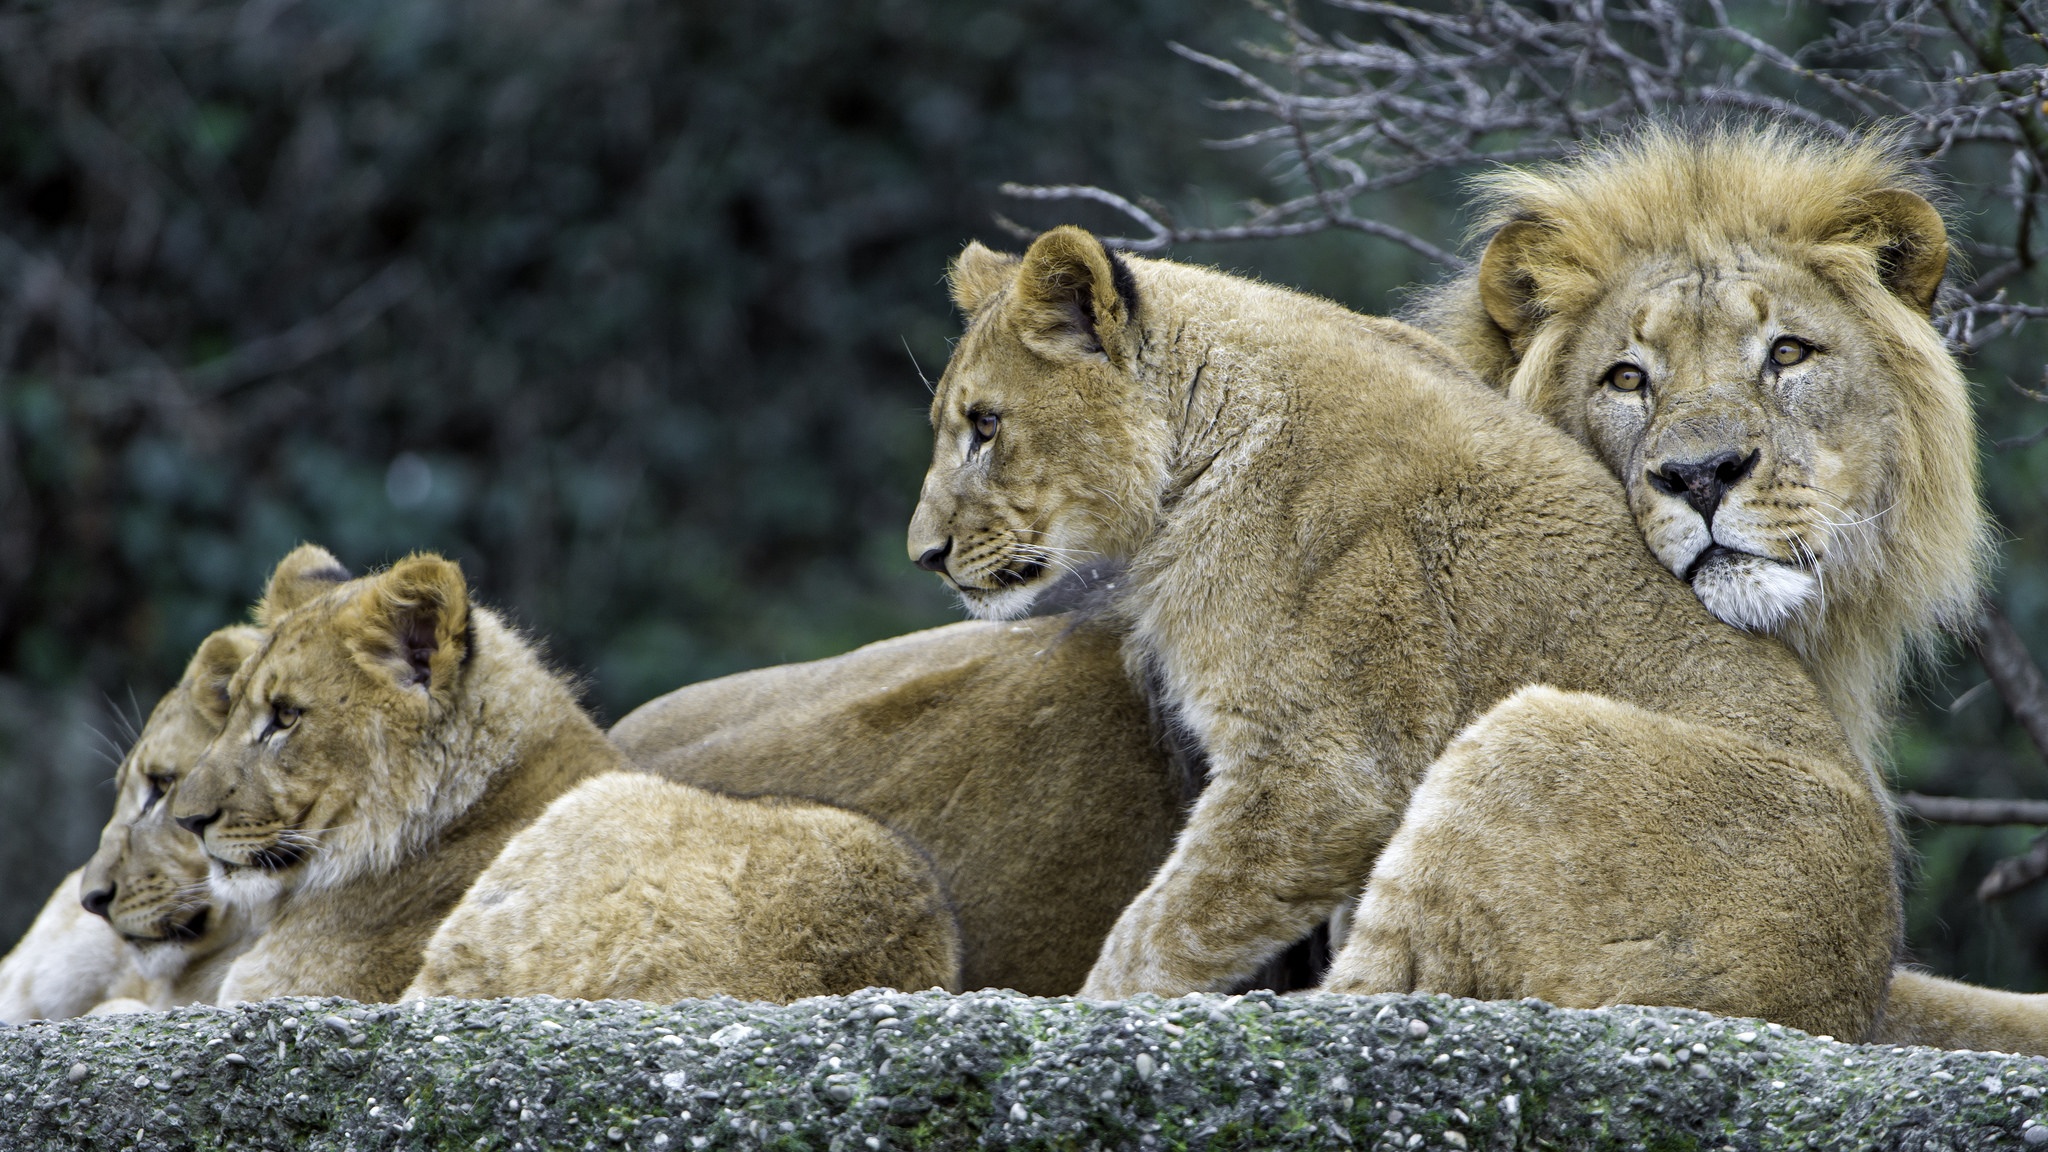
1017, 754
380, 749
634, 887
135, 924
1392, 608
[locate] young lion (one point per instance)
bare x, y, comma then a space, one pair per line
135, 923
1017, 754
634, 887
383, 744
1343, 551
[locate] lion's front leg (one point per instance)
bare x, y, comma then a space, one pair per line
1268, 852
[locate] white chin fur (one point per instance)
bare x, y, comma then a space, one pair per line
161, 959
1008, 604
1754, 593
245, 888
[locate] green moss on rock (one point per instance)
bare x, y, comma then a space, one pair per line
884, 1070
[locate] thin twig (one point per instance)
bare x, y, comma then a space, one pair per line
2015, 872
1964, 810
2013, 672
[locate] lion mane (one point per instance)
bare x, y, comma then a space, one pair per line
1809, 226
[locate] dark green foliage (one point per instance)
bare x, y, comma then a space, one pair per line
616, 303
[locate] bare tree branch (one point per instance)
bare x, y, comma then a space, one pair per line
308, 339
2013, 672
2016, 872
1406, 93
1962, 810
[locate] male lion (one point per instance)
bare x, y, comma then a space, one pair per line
1343, 551
135, 924
1735, 320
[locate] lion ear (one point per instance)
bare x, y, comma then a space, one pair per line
1911, 243
306, 572
412, 623
1075, 298
1507, 288
213, 667
978, 273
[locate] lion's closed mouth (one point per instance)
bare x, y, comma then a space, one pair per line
277, 857
1011, 577
1708, 555
190, 928
172, 930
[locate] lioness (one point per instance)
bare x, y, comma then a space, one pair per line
1735, 320
136, 923
1344, 550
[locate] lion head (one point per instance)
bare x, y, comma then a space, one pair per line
1735, 319
1032, 468
149, 876
324, 768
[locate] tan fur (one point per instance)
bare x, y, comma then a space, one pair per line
1689, 253
428, 733
1343, 552
67, 961
633, 887
163, 942
1017, 755
1927, 1009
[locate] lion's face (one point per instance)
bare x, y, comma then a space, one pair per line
1736, 319
1039, 445
148, 877
324, 753
159, 883
1735, 403
281, 767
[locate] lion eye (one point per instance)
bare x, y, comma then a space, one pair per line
985, 425
283, 716
158, 785
1626, 377
1790, 350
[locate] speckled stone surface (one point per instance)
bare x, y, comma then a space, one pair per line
991, 1070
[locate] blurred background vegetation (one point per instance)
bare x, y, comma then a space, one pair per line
624, 304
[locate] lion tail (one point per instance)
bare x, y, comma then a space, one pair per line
1938, 1013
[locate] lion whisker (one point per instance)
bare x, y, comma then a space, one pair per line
1838, 524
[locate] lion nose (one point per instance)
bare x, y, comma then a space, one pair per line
196, 825
934, 559
98, 900
1704, 482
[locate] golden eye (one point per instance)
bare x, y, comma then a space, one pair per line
158, 785
1626, 377
283, 716
1790, 350
985, 425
